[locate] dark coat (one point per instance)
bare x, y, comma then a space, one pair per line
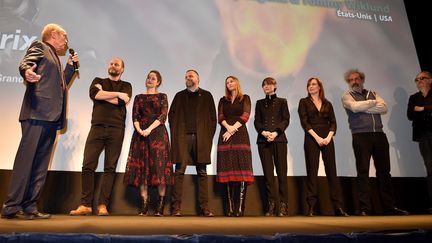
206, 127
421, 121
45, 100
272, 114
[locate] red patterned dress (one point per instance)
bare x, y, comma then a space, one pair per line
234, 157
148, 161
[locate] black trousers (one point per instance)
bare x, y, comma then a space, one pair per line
375, 145
312, 153
201, 170
425, 145
30, 167
274, 155
100, 138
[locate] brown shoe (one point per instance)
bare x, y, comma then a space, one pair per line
81, 210
102, 210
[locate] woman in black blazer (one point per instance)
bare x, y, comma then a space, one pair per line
271, 120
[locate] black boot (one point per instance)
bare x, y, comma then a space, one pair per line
340, 212
160, 206
230, 201
242, 199
144, 207
270, 209
311, 209
283, 209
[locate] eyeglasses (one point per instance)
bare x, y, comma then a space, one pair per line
421, 79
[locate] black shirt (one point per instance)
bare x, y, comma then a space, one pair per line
191, 110
321, 121
105, 113
422, 121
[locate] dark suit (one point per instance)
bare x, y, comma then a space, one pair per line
42, 114
272, 114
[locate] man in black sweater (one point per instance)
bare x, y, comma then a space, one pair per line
110, 97
420, 113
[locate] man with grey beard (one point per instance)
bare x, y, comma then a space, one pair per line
364, 109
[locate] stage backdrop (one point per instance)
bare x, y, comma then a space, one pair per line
290, 40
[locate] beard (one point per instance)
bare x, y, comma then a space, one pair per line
357, 88
113, 72
189, 83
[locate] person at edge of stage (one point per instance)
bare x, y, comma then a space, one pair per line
43, 112
420, 113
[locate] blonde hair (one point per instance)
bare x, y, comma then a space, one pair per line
238, 89
49, 29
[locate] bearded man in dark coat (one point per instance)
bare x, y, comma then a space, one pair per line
192, 120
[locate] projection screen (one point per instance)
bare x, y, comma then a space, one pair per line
290, 40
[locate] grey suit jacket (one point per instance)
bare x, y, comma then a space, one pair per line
45, 100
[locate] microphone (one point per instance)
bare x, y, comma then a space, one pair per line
75, 64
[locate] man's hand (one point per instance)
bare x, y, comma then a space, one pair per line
418, 108
73, 58
31, 76
123, 96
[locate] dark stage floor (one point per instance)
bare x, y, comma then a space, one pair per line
150, 225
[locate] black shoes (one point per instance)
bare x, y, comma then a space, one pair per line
283, 209
206, 212
310, 212
36, 215
396, 211
29, 216
391, 211
160, 207
340, 212
270, 209
144, 207
176, 212
9, 216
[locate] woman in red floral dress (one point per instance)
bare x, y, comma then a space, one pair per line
148, 161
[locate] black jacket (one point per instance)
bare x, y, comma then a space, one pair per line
205, 126
421, 121
272, 114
